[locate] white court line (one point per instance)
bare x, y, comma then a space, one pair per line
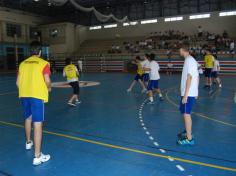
180, 168
162, 151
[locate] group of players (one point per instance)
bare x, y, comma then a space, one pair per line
147, 75
34, 85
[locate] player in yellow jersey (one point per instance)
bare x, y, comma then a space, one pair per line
209, 64
34, 83
139, 76
71, 72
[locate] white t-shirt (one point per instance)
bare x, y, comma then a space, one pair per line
190, 67
145, 64
216, 66
231, 46
154, 72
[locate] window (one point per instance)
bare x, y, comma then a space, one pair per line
173, 19
110, 26
13, 29
227, 13
192, 17
95, 27
149, 21
132, 23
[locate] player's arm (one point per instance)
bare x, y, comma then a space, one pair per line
46, 75
146, 69
17, 81
48, 81
188, 84
77, 71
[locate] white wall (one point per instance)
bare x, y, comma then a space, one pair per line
214, 24
26, 20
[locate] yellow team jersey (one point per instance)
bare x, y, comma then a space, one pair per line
71, 73
140, 69
209, 61
31, 79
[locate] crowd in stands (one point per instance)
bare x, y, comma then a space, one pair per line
171, 40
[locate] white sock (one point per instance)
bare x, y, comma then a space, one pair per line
151, 99
160, 95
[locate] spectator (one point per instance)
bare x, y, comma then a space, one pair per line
200, 31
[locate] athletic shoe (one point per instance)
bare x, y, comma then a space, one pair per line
220, 85
28, 146
78, 102
185, 141
71, 104
182, 135
144, 90
129, 90
161, 99
150, 102
42, 159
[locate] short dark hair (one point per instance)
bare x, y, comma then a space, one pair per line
147, 55
185, 48
35, 47
68, 61
138, 58
152, 56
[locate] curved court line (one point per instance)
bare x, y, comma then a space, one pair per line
125, 148
198, 114
151, 138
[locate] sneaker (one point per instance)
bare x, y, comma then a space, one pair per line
182, 135
220, 85
161, 99
150, 102
186, 141
78, 102
71, 104
129, 90
42, 159
28, 146
144, 90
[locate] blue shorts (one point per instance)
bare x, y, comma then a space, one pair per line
138, 77
33, 107
153, 84
214, 74
146, 77
187, 108
208, 72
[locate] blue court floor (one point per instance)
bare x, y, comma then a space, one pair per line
115, 133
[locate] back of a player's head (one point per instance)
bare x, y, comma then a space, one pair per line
138, 58
207, 51
35, 48
152, 56
147, 56
184, 50
68, 61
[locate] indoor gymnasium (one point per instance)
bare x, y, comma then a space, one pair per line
117, 88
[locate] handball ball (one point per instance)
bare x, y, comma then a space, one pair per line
58, 2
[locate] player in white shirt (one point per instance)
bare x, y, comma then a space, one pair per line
146, 64
154, 75
215, 72
189, 94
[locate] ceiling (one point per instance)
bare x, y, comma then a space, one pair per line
134, 9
